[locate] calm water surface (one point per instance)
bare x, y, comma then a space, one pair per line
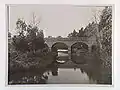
65, 73
69, 76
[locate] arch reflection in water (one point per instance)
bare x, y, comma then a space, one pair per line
78, 51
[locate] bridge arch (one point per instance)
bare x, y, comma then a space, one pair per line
60, 50
60, 45
78, 50
79, 45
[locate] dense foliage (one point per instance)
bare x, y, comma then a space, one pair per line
105, 28
27, 49
28, 38
81, 33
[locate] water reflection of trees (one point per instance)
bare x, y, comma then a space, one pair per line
88, 62
53, 68
91, 68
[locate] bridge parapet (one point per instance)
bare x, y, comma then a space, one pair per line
70, 41
67, 39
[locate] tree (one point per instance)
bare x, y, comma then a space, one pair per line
69, 35
59, 36
74, 34
81, 32
29, 37
105, 28
49, 36
91, 30
9, 35
21, 27
19, 40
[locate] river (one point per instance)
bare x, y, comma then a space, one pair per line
78, 70
69, 76
72, 75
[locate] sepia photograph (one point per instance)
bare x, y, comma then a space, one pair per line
59, 44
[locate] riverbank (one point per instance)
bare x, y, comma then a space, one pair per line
20, 65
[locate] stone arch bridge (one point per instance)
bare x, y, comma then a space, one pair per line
89, 41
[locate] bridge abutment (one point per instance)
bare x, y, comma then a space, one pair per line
69, 52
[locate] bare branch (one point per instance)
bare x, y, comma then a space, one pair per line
35, 21
38, 21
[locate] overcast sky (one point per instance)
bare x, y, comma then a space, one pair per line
56, 20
